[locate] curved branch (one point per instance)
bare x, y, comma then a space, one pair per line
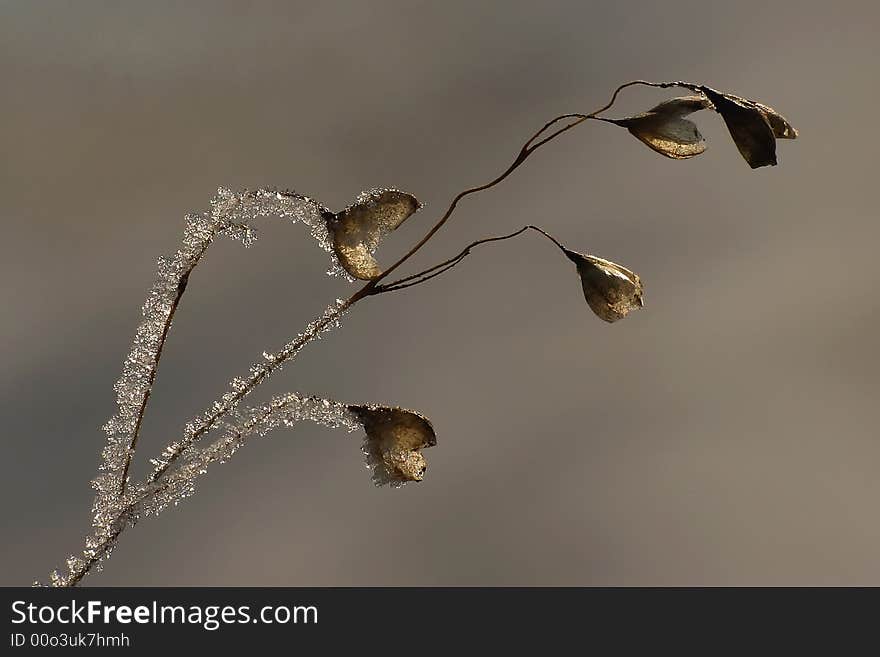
446, 265
528, 148
532, 144
646, 83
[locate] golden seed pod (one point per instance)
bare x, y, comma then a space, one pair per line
611, 291
356, 231
393, 444
665, 130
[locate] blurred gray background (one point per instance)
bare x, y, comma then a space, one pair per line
723, 435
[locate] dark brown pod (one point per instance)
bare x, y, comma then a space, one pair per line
748, 126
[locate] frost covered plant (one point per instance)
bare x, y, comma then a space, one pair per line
394, 437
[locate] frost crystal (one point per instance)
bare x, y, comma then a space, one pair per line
241, 386
230, 215
287, 410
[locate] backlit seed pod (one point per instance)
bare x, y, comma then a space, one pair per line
664, 129
611, 291
393, 444
357, 230
748, 126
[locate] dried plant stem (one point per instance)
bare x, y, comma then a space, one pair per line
646, 83
218, 414
107, 542
154, 482
181, 288
528, 148
531, 145
446, 265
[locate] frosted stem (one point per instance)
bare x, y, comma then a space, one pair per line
229, 215
175, 485
240, 387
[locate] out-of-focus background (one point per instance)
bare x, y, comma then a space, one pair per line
726, 434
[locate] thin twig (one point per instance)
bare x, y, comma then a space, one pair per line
181, 288
446, 265
549, 237
531, 145
528, 148
646, 83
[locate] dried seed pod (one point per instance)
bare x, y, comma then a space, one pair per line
357, 230
393, 444
664, 129
611, 291
748, 125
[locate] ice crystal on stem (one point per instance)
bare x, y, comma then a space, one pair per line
230, 215
179, 483
240, 386
287, 410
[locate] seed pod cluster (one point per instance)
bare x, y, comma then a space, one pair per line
753, 126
